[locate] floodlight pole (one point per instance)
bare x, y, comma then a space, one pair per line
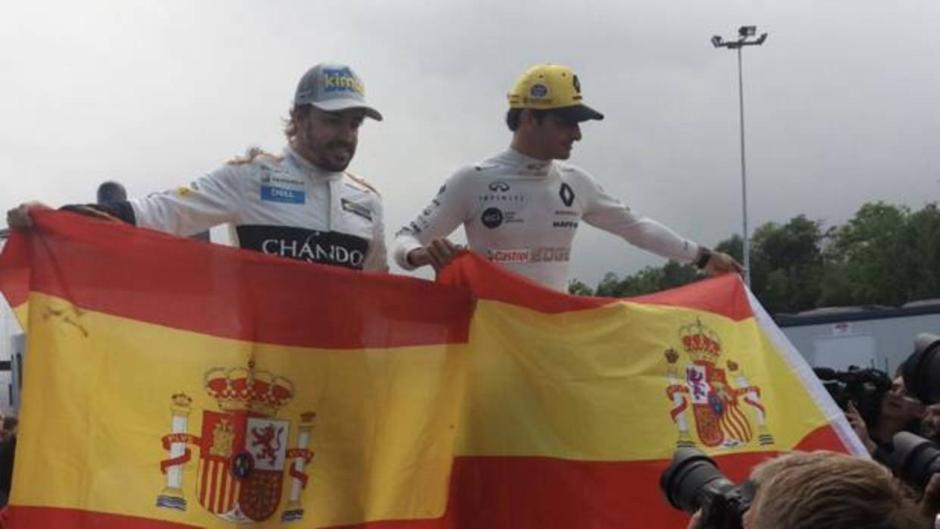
743, 33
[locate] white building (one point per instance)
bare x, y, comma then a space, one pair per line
880, 337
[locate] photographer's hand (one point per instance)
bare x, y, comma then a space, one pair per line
693, 522
861, 429
930, 503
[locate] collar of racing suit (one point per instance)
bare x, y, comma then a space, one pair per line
309, 169
524, 165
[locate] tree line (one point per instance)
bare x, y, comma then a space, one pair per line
884, 255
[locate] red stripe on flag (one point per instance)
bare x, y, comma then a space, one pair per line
204, 468
234, 489
537, 493
228, 483
23, 517
748, 431
222, 291
504, 493
823, 438
724, 295
736, 422
729, 428
211, 503
14, 269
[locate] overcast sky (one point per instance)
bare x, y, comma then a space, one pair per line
842, 101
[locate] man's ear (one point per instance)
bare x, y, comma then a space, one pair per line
527, 118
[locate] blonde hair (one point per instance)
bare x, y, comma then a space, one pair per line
826, 490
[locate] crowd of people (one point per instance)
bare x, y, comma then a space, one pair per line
899, 411
801, 490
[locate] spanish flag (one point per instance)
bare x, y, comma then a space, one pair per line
174, 384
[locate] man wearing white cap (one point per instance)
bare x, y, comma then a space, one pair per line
302, 204
521, 207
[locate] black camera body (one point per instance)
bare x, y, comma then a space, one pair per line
921, 370
864, 387
692, 482
912, 458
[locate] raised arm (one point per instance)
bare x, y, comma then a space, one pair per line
422, 241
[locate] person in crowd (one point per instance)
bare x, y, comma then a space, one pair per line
812, 490
302, 204
930, 425
521, 208
7, 454
899, 411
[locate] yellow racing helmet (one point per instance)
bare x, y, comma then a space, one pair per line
552, 87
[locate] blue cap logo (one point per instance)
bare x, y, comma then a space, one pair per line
341, 80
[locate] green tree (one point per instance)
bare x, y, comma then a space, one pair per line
733, 246
648, 280
871, 252
786, 264
579, 288
922, 263
885, 255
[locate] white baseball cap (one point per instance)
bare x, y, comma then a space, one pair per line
333, 87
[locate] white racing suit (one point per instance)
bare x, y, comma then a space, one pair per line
277, 205
523, 213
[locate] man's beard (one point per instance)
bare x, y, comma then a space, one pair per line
334, 156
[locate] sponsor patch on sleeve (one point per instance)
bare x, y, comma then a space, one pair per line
356, 209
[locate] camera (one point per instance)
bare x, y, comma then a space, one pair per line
693, 482
913, 459
921, 370
864, 387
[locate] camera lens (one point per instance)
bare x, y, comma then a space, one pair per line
691, 480
914, 459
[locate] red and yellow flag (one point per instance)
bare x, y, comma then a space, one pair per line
172, 384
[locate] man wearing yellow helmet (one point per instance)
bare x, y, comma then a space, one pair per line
521, 207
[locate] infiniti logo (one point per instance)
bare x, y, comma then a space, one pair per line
499, 186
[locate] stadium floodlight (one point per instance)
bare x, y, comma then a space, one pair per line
744, 32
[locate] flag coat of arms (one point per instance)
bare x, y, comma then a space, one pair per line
176, 384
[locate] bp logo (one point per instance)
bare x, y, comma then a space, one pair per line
492, 218
538, 91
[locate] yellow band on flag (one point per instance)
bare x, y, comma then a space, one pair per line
217, 388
